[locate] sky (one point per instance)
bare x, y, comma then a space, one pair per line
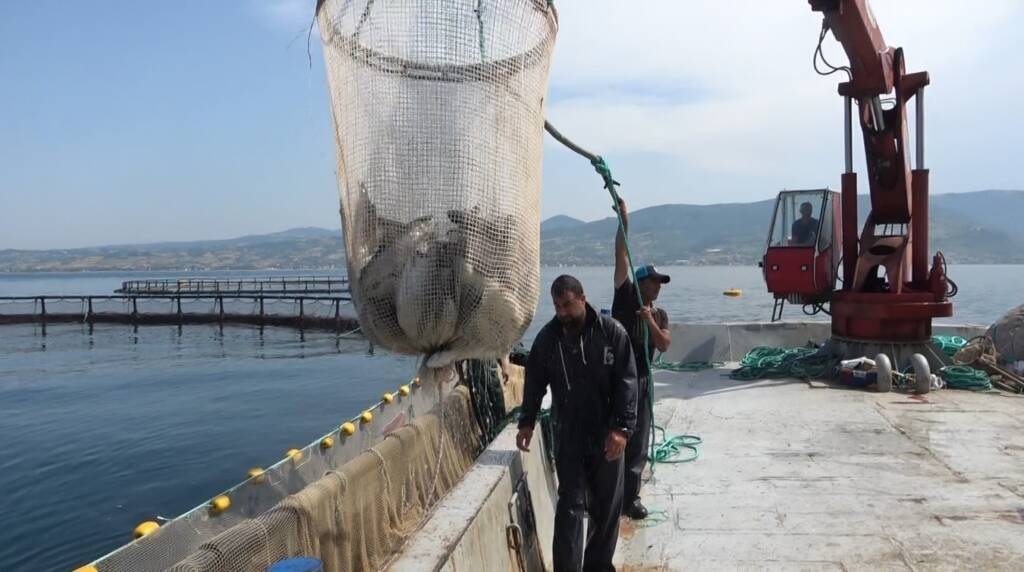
133, 122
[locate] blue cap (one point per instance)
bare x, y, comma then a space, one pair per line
300, 564
649, 271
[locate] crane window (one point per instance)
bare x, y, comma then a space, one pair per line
798, 219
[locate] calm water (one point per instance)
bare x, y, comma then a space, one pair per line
102, 428
695, 293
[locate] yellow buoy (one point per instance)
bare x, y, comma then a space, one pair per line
327, 442
404, 390
348, 428
219, 504
146, 528
89, 568
256, 474
733, 293
294, 454
366, 417
387, 398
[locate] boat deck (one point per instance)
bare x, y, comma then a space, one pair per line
800, 475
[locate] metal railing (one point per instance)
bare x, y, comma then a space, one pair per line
284, 284
315, 312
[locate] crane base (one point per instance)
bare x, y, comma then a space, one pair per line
886, 317
899, 352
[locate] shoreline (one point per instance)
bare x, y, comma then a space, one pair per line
343, 271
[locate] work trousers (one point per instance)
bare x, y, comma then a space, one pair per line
587, 483
638, 446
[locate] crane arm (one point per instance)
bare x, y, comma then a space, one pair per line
871, 60
876, 71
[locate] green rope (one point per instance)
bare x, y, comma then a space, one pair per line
959, 376
654, 518
963, 377
949, 344
685, 366
668, 449
665, 450
484, 383
772, 363
610, 185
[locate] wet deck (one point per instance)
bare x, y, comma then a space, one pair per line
797, 475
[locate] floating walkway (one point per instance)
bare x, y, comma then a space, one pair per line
331, 313
294, 285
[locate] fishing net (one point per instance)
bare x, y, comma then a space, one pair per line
438, 110
1007, 334
357, 517
352, 504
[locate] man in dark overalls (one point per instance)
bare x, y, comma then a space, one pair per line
634, 316
587, 361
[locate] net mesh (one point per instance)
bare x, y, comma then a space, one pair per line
352, 504
438, 109
356, 517
1007, 334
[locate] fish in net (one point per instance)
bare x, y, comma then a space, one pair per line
438, 112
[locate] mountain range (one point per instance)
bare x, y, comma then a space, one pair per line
975, 227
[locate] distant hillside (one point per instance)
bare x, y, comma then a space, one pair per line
980, 227
666, 234
299, 248
560, 221
736, 233
995, 210
285, 236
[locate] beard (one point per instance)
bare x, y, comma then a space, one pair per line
572, 322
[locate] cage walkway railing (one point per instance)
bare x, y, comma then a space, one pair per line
334, 313
283, 284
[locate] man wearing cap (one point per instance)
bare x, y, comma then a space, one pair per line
633, 316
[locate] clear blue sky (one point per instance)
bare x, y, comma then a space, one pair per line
138, 121
129, 122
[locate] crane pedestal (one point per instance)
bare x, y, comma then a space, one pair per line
899, 325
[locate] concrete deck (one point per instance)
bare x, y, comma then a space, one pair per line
796, 475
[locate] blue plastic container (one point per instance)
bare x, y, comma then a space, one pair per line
300, 564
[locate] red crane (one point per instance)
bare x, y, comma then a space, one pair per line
870, 307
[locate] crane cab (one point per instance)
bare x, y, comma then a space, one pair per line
801, 261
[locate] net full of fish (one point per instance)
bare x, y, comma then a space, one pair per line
438, 111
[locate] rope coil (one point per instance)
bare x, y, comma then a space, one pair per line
965, 377
949, 344
765, 362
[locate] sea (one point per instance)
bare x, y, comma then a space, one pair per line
106, 426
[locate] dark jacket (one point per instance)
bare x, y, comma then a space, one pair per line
589, 396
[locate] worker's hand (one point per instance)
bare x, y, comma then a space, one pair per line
622, 208
523, 438
504, 365
644, 313
614, 445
